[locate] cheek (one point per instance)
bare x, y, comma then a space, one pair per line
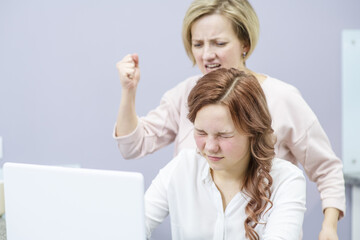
232, 147
198, 59
227, 146
196, 54
229, 56
200, 142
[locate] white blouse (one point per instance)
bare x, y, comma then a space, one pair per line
184, 189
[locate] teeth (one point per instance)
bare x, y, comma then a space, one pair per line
212, 65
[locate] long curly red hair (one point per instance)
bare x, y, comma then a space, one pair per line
244, 97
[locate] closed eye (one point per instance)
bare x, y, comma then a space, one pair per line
200, 132
197, 44
226, 136
221, 44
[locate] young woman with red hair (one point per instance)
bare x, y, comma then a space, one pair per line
231, 186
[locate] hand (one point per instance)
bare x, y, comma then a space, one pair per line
129, 71
328, 233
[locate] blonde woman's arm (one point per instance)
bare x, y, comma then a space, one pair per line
129, 74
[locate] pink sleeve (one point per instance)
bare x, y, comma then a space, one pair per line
154, 131
322, 166
301, 139
160, 126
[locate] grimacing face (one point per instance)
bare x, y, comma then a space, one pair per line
215, 44
225, 148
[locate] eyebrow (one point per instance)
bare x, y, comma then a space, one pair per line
212, 39
219, 133
199, 130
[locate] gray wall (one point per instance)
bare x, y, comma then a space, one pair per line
59, 89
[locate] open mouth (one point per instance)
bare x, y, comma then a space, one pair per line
212, 66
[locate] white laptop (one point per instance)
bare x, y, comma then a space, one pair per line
57, 203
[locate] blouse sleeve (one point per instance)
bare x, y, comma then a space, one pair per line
156, 198
322, 166
158, 128
285, 218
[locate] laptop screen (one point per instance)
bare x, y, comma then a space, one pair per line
48, 202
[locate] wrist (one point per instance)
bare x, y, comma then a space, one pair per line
329, 225
128, 95
331, 216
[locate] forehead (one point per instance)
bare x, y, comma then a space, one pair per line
214, 117
213, 25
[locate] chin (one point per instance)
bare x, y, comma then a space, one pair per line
215, 167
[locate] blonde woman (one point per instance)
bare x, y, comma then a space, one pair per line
223, 34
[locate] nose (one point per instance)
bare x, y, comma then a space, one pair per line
208, 53
211, 145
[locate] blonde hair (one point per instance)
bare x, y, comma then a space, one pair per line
246, 101
244, 20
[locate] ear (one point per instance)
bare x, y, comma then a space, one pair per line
246, 48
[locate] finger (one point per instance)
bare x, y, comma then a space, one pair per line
131, 74
137, 74
125, 67
126, 59
135, 58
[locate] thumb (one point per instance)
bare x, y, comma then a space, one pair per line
135, 58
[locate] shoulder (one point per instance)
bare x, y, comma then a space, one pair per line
276, 89
282, 170
289, 186
286, 105
185, 168
189, 159
190, 82
184, 86
177, 95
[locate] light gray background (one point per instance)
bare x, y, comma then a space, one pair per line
59, 88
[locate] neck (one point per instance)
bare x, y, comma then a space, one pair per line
227, 185
260, 77
234, 177
225, 176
